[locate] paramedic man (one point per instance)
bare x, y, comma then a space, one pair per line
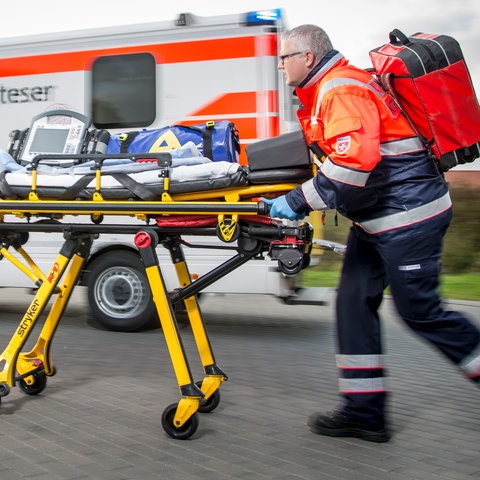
375, 173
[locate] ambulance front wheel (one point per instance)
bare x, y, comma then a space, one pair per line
119, 294
180, 433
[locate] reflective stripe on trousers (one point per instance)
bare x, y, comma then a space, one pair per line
361, 373
471, 364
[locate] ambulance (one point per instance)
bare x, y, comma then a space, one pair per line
187, 71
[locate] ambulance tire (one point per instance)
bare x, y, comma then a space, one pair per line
119, 294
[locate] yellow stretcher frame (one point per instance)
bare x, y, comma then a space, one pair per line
30, 369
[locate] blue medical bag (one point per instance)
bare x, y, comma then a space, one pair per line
218, 141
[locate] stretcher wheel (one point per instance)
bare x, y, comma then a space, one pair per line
289, 270
38, 385
185, 431
4, 390
210, 404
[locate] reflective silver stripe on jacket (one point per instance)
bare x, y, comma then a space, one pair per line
471, 364
360, 361
362, 385
407, 217
343, 174
312, 197
398, 147
338, 82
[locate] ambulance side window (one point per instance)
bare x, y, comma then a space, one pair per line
123, 91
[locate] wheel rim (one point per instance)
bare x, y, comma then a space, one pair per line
120, 292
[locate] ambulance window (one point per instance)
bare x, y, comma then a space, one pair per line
123, 91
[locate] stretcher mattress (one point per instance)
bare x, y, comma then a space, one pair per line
123, 179
120, 178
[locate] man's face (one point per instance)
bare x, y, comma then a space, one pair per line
293, 62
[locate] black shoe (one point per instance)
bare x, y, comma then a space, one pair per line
337, 424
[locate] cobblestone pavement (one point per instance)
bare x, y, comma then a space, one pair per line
100, 415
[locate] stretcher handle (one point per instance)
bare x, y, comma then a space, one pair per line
164, 159
263, 208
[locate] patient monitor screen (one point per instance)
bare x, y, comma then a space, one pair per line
51, 140
55, 134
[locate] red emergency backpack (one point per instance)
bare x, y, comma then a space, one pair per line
428, 77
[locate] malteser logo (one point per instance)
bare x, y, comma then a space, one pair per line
26, 94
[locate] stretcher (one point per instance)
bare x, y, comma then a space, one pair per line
233, 213
158, 192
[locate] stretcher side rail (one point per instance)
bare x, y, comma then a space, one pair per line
23, 208
163, 160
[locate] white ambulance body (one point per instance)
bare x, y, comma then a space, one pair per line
205, 69
189, 71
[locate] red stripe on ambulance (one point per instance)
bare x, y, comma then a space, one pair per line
176, 52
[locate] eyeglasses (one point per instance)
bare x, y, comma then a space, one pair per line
288, 55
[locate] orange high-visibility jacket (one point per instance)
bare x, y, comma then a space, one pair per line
374, 166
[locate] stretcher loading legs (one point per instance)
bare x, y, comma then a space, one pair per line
213, 374
32, 367
181, 420
290, 246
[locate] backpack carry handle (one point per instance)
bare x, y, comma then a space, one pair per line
398, 38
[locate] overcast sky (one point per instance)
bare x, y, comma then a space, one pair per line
354, 26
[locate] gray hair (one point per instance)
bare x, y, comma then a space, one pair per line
309, 37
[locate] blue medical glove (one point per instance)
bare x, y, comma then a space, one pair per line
279, 208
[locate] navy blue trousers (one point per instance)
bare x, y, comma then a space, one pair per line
409, 260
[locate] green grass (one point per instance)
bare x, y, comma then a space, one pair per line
454, 287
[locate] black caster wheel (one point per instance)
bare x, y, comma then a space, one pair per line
39, 383
4, 390
290, 270
183, 432
209, 405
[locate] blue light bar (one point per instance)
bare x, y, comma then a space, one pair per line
263, 17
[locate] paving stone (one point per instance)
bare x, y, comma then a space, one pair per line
100, 415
